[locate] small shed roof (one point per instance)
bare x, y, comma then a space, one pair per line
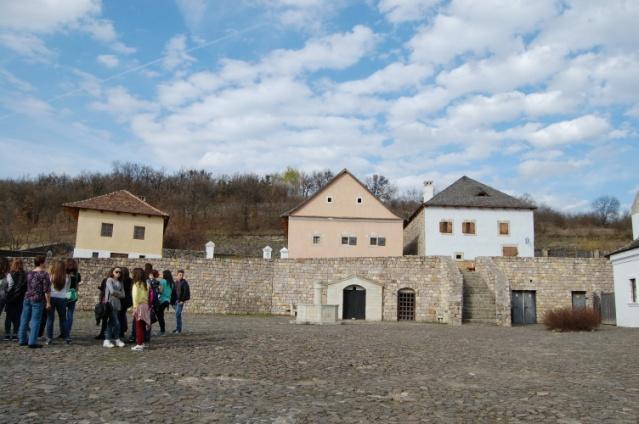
121, 201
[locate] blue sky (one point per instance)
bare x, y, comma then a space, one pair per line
530, 97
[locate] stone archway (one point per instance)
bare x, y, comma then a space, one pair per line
373, 302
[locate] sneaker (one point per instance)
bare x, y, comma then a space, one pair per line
61, 336
175, 332
68, 341
161, 334
48, 341
137, 348
107, 343
119, 343
7, 338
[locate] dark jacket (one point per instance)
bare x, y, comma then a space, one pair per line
183, 290
16, 294
127, 302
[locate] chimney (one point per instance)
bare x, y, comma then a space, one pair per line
428, 191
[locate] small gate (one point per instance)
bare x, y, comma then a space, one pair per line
406, 305
354, 303
523, 307
607, 309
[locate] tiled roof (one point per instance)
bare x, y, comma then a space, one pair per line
631, 246
468, 193
118, 201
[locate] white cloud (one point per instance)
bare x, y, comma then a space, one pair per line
572, 131
30, 106
398, 11
193, 11
45, 15
120, 103
394, 77
27, 45
175, 53
108, 60
541, 169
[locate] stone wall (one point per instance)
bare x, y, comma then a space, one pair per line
415, 236
225, 285
553, 279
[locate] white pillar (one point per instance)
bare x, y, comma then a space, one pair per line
284, 253
210, 250
317, 293
266, 252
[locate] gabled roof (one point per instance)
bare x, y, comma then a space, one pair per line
330, 183
468, 193
631, 246
119, 201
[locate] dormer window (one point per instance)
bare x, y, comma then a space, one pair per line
359, 200
329, 199
482, 193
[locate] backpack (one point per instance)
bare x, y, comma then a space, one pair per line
174, 298
4, 288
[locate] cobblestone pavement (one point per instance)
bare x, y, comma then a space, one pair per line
264, 370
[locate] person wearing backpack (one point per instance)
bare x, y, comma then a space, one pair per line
59, 288
141, 310
166, 289
36, 299
183, 295
17, 288
73, 281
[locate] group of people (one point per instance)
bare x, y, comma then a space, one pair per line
32, 300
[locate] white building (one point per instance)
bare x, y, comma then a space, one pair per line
470, 219
625, 269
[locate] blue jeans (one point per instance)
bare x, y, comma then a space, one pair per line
31, 312
179, 307
60, 306
70, 311
113, 326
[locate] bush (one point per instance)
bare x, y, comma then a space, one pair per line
569, 319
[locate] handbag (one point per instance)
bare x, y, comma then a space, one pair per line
72, 295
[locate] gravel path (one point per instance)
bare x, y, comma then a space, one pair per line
241, 369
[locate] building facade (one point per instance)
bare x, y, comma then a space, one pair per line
470, 219
343, 219
117, 225
625, 269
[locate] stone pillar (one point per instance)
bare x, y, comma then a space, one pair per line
210, 250
317, 294
266, 252
284, 253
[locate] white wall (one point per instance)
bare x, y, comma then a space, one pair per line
373, 307
625, 266
635, 226
486, 241
88, 253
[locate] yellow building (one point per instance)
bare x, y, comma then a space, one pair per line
343, 219
118, 225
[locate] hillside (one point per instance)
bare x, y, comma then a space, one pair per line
206, 207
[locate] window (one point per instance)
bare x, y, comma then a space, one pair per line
459, 256
359, 200
95, 255
446, 227
377, 241
329, 199
138, 233
316, 239
142, 256
352, 241
106, 230
509, 251
344, 240
633, 290
468, 227
504, 228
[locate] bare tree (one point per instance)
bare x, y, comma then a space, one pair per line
606, 208
381, 187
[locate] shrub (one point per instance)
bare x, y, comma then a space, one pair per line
569, 319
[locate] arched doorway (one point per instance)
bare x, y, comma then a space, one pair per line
354, 302
406, 305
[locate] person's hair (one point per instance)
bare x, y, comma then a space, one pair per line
125, 273
71, 266
57, 274
148, 268
155, 273
113, 273
110, 273
138, 275
39, 260
166, 274
180, 271
17, 265
4, 266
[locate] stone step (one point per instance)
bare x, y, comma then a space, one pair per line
479, 321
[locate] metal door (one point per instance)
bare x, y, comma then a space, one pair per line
608, 311
406, 305
523, 307
354, 305
578, 300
